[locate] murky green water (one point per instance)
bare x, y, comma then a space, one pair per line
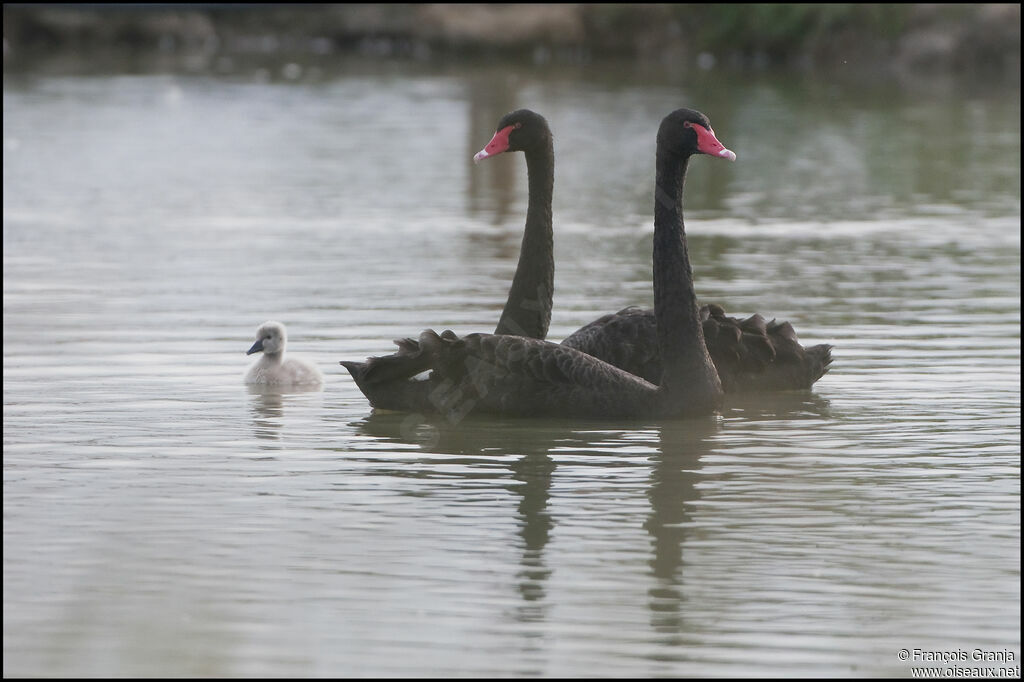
160, 519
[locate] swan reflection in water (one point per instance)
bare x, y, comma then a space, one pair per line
670, 455
533, 450
789, 405
268, 406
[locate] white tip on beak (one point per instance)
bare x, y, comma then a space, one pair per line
726, 154
482, 154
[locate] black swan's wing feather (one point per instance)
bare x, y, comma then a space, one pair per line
499, 374
627, 339
750, 354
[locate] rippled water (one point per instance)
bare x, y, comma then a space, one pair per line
161, 519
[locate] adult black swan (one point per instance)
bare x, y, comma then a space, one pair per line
750, 354
518, 376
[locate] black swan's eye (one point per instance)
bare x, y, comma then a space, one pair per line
519, 124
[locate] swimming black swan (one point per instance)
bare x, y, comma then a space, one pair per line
750, 354
519, 376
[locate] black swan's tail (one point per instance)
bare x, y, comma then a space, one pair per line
755, 355
388, 381
751, 355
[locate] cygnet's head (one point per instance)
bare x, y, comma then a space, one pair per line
270, 338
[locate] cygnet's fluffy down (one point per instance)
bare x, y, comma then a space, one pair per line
273, 368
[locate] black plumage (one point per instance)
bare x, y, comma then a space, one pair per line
750, 354
511, 375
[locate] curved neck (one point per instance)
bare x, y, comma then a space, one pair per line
528, 308
271, 359
689, 379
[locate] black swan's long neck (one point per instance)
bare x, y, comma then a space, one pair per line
689, 379
528, 309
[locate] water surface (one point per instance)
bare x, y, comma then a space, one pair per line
161, 519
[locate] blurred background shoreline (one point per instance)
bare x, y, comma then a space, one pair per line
916, 41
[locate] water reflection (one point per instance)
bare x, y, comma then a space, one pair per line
267, 407
672, 493
531, 451
788, 405
534, 472
490, 187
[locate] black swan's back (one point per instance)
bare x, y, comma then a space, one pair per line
750, 354
627, 339
502, 375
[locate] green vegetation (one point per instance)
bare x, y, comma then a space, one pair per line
782, 29
982, 38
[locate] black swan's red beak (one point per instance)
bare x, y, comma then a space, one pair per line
497, 145
707, 143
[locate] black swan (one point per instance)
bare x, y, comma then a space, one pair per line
519, 376
750, 354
